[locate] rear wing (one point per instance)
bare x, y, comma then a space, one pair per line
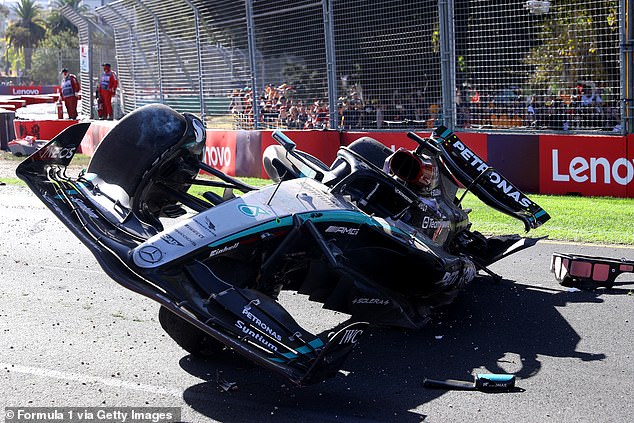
485, 182
59, 151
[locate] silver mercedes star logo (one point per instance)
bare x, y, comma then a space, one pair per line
150, 254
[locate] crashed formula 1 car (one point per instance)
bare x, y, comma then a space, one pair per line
378, 235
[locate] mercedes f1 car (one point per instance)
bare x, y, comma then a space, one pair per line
379, 234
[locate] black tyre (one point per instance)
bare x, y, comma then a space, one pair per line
187, 336
131, 148
371, 150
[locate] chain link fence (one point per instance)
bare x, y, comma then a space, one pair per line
521, 65
538, 65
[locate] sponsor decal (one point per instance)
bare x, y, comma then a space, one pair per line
171, 240
246, 311
593, 169
342, 230
194, 231
223, 249
150, 254
251, 211
254, 335
58, 152
429, 223
460, 277
185, 237
85, 208
218, 156
468, 273
199, 130
449, 278
207, 224
350, 336
402, 195
26, 91
499, 182
377, 301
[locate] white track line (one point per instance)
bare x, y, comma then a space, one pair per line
116, 383
587, 244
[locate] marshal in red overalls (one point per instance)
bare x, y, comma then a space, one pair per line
70, 93
107, 89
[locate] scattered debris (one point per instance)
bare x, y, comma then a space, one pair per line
481, 382
225, 385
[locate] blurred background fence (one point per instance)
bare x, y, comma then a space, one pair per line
520, 65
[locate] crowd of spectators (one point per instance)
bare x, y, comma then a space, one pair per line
279, 107
581, 108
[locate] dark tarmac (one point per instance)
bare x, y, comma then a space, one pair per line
71, 337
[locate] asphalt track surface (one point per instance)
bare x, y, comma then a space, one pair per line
72, 337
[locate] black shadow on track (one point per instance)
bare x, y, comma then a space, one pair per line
486, 322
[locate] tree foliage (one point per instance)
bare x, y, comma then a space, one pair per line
52, 54
577, 46
26, 33
56, 21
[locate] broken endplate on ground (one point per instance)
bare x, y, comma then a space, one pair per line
588, 272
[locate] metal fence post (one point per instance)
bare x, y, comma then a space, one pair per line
132, 38
90, 75
158, 54
626, 13
331, 64
252, 62
157, 37
201, 95
447, 62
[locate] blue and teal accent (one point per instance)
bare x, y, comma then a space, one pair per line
303, 350
334, 216
68, 191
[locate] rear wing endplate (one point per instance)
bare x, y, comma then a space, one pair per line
489, 185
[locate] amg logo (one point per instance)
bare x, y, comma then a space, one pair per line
342, 230
350, 336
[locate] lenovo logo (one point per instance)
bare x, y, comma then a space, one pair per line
594, 169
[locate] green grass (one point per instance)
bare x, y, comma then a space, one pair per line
79, 160
602, 220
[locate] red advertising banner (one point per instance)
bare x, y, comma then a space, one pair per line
220, 151
585, 165
41, 129
393, 140
95, 134
19, 90
321, 144
25, 90
477, 142
629, 146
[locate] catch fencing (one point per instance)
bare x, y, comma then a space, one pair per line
520, 65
